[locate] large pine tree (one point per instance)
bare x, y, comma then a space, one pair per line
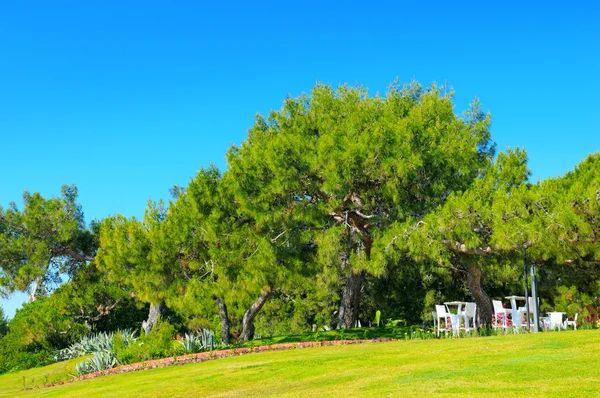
347, 165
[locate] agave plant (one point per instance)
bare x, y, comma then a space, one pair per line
198, 342
189, 342
128, 336
207, 338
100, 342
100, 361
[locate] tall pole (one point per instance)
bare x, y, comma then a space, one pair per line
534, 296
525, 286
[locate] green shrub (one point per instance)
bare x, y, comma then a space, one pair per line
570, 300
34, 333
158, 343
395, 323
15, 355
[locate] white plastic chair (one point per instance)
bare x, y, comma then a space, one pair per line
441, 313
556, 321
573, 323
500, 315
470, 315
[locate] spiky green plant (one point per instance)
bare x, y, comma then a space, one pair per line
204, 340
128, 336
100, 342
207, 338
189, 343
100, 361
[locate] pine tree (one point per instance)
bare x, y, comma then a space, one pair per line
139, 256
46, 239
346, 166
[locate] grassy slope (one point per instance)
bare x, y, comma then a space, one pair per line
561, 364
11, 384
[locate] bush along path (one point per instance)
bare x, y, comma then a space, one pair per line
210, 355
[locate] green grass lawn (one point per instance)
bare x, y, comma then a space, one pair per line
340, 334
556, 364
13, 384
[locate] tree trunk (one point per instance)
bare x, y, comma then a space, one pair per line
225, 324
153, 315
34, 289
484, 304
349, 306
250, 314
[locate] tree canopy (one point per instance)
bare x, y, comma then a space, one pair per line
350, 165
139, 256
44, 240
225, 257
337, 206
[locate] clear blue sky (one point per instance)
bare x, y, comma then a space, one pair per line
127, 99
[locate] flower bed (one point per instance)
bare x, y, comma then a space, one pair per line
207, 356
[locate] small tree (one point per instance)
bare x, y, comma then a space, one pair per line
46, 239
200, 225
137, 255
224, 256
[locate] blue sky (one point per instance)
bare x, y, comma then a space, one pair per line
128, 99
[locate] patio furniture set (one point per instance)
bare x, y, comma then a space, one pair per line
460, 315
461, 311
518, 318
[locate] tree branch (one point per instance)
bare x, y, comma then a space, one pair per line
461, 248
103, 311
76, 255
278, 236
358, 213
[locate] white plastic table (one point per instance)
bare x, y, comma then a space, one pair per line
455, 316
516, 312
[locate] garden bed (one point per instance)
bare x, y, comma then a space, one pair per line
211, 355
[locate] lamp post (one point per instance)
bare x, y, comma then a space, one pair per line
527, 309
534, 296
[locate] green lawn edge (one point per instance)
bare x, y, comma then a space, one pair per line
546, 364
